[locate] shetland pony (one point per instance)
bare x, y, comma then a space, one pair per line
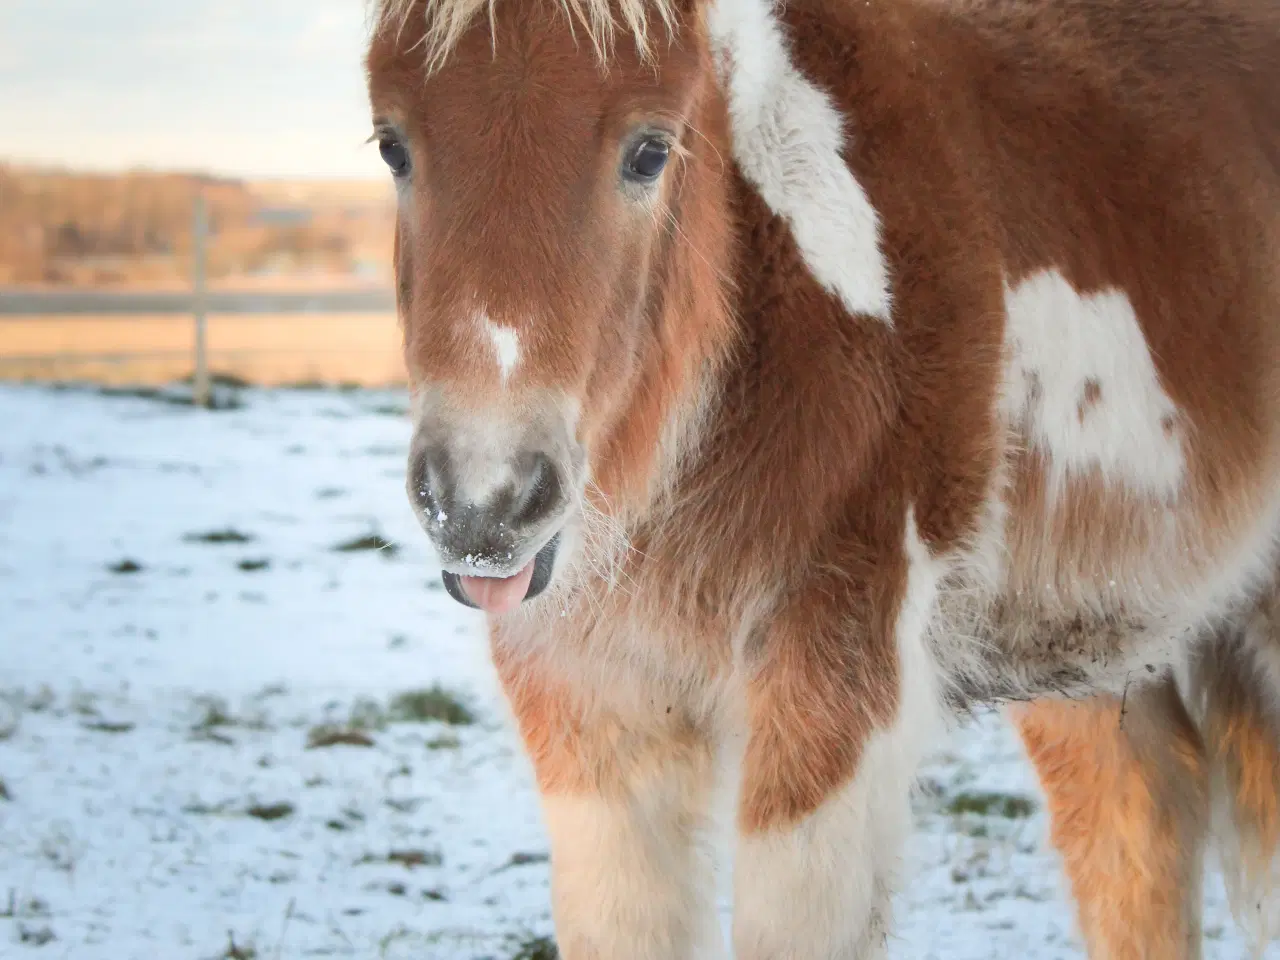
788, 379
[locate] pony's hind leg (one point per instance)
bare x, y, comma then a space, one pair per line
1128, 801
1233, 690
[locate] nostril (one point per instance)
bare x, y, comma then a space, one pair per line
541, 495
425, 488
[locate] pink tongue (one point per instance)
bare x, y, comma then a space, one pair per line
497, 595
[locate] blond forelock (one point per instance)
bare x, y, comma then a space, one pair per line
445, 21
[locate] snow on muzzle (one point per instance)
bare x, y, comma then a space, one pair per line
493, 501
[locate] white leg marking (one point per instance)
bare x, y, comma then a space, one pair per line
1082, 379
629, 881
788, 138
821, 889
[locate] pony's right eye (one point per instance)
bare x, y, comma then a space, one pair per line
396, 156
646, 160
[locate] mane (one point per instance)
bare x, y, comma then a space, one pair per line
445, 21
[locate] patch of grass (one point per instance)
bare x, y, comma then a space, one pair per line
370, 541
223, 396
270, 811
330, 493
235, 951
35, 936
227, 380
108, 726
213, 716
137, 393
211, 736
525, 859
58, 848
227, 535
991, 804
390, 410
212, 712
10, 716
253, 565
403, 804
328, 736
5, 794
409, 859
446, 742
201, 809
433, 704
536, 948
30, 907
41, 700
125, 567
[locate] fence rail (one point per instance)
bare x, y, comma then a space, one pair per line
98, 303
344, 335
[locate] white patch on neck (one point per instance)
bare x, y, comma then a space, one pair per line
1081, 379
506, 345
788, 139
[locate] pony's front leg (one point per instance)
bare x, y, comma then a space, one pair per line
839, 716
625, 803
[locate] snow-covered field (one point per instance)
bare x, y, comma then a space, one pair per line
182, 639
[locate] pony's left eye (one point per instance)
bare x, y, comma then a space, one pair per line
646, 160
396, 156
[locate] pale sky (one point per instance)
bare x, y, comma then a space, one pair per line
244, 87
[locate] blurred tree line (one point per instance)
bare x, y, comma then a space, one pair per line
135, 229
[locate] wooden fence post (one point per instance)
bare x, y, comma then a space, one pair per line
201, 395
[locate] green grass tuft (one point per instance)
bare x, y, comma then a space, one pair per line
328, 736
409, 859
369, 542
227, 535
270, 811
536, 948
992, 804
433, 704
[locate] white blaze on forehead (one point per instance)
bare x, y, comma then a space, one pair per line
788, 137
506, 346
1082, 380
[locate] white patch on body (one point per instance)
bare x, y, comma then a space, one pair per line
788, 138
822, 888
1064, 341
506, 347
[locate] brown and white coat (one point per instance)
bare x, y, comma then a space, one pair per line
940, 365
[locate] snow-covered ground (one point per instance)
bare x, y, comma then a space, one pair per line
180, 636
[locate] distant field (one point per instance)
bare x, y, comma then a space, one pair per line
267, 349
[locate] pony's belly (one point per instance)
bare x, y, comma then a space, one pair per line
1097, 587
